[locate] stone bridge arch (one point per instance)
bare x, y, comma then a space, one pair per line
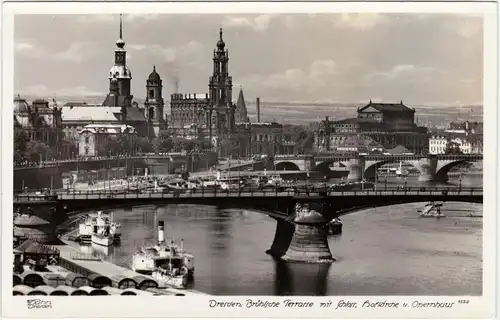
371, 166
444, 166
395, 201
324, 166
287, 166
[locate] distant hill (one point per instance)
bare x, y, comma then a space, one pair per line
305, 112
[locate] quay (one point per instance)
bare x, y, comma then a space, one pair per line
62, 270
72, 260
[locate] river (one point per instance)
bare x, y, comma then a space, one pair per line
382, 251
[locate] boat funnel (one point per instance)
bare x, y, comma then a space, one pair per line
161, 231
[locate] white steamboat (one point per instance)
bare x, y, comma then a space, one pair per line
86, 228
148, 259
101, 232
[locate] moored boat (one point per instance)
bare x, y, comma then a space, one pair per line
171, 273
86, 228
101, 232
334, 226
147, 259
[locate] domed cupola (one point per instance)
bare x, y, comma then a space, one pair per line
221, 44
20, 105
154, 76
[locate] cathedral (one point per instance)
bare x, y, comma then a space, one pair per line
211, 116
119, 106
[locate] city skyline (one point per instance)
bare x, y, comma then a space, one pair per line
369, 56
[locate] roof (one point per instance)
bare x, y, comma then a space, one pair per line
29, 220
111, 100
94, 113
399, 149
387, 107
134, 114
240, 104
346, 121
154, 76
29, 246
108, 128
20, 105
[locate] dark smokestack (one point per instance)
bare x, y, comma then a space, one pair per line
258, 110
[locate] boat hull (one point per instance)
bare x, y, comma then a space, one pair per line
105, 241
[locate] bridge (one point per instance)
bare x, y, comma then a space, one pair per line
293, 240
430, 167
277, 199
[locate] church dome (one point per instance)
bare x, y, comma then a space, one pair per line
20, 105
120, 72
154, 76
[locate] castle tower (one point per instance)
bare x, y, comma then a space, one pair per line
221, 109
241, 108
154, 102
121, 73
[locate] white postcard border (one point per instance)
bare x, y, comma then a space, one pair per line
139, 307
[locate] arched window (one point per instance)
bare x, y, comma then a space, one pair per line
151, 93
86, 150
151, 114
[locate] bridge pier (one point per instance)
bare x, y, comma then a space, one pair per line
309, 242
356, 167
282, 238
427, 167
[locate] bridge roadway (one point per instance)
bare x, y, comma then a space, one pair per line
269, 194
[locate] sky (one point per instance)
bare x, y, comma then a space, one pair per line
422, 59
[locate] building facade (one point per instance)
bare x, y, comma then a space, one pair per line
439, 143
188, 109
40, 121
388, 124
93, 138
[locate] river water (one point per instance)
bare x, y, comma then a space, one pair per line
382, 251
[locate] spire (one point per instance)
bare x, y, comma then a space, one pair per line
241, 100
120, 43
220, 44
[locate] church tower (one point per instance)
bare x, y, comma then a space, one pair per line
221, 108
154, 102
121, 73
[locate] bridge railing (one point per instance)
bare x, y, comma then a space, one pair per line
246, 192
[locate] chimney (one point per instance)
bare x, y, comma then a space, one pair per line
258, 110
161, 231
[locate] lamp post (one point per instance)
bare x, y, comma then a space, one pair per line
460, 183
406, 182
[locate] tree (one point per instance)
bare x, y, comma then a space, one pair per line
452, 148
109, 147
163, 143
144, 145
20, 142
37, 150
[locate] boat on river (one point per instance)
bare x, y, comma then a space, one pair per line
171, 272
101, 232
432, 210
86, 228
334, 227
149, 257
